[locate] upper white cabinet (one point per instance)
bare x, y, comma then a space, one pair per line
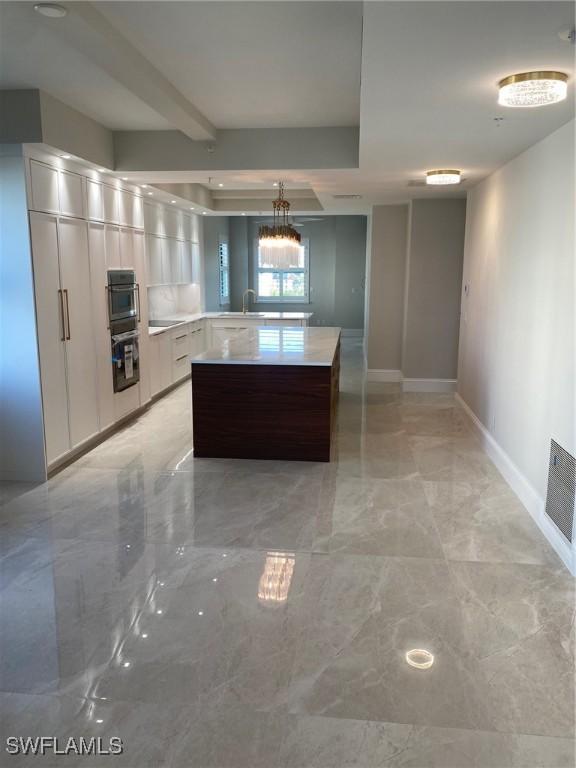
111, 207
195, 228
94, 194
71, 193
44, 188
154, 221
137, 212
154, 259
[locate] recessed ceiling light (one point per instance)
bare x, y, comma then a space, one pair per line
144, 186
124, 178
52, 10
436, 178
65, 157
203, 213
172, 201
99, 721
101, 170
275, 184
220, 185
532, 89
191, 208
148, 193
419, 658
243, 214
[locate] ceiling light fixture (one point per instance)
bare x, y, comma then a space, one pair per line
437, 178
532, 89
172, 201
419, 658
65, 157
124, 178
203, 213
280, 243
52, 10
148, 193
191, 208
220, 185
101, 170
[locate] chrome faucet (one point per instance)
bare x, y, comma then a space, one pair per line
246, 292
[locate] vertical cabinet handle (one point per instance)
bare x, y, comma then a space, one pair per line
138, 299
108, 306
65, 291
61, 300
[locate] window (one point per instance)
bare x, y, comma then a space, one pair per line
224, 267
282, 285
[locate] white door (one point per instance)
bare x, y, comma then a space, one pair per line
126, 249
80, 347
98, 282
50, 321
154, 257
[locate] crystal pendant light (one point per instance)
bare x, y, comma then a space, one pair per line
280, 243
532, 89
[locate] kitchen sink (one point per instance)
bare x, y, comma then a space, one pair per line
163, 323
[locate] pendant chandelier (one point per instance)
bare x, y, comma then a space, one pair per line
280, 243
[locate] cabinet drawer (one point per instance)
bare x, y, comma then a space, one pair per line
180, 367
180, 343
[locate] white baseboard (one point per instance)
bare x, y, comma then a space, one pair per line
522, 487
429, 385
353, 333
381, 374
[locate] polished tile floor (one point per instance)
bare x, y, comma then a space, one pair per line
239, 614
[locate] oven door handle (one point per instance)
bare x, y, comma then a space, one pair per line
108, 305
138, 300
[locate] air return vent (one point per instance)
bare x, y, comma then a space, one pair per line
561, 483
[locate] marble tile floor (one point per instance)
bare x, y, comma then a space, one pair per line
247, 614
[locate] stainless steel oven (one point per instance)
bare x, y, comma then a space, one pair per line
125, 360
123, 295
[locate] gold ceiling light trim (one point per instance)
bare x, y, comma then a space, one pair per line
443, 176
533, 89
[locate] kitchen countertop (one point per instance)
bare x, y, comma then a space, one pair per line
266, 345
182, 318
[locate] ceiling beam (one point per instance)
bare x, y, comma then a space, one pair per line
89, 31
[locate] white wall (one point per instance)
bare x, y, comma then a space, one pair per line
516, 356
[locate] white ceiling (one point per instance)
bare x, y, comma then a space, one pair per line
419, 78
34, 56
253, 64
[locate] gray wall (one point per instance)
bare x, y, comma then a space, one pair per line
21, 422
387, 279
416, 254
213, 228
337, 246
434, 279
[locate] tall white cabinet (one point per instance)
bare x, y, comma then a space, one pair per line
66, 340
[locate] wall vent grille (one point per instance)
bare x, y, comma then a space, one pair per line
561, 489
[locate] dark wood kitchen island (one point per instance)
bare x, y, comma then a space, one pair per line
268, 393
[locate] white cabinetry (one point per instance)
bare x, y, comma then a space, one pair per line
66, 340
44, 188
71, 193
94, 194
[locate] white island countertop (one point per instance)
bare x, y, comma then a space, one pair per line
181, 318
269, 345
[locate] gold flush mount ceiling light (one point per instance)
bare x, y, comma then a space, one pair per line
443, 176
532, 89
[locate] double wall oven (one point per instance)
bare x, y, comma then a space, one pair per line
123, 294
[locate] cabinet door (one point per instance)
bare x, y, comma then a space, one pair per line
154, 365
165, 341
113, 260
195, 262
124, 208
44, 183
95, 201
80, 346
50, 320
126, 249
195, 224
185, 262
137, 212
98, 282
154, 259
170, 265
71, 191
110, 198
141, 279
